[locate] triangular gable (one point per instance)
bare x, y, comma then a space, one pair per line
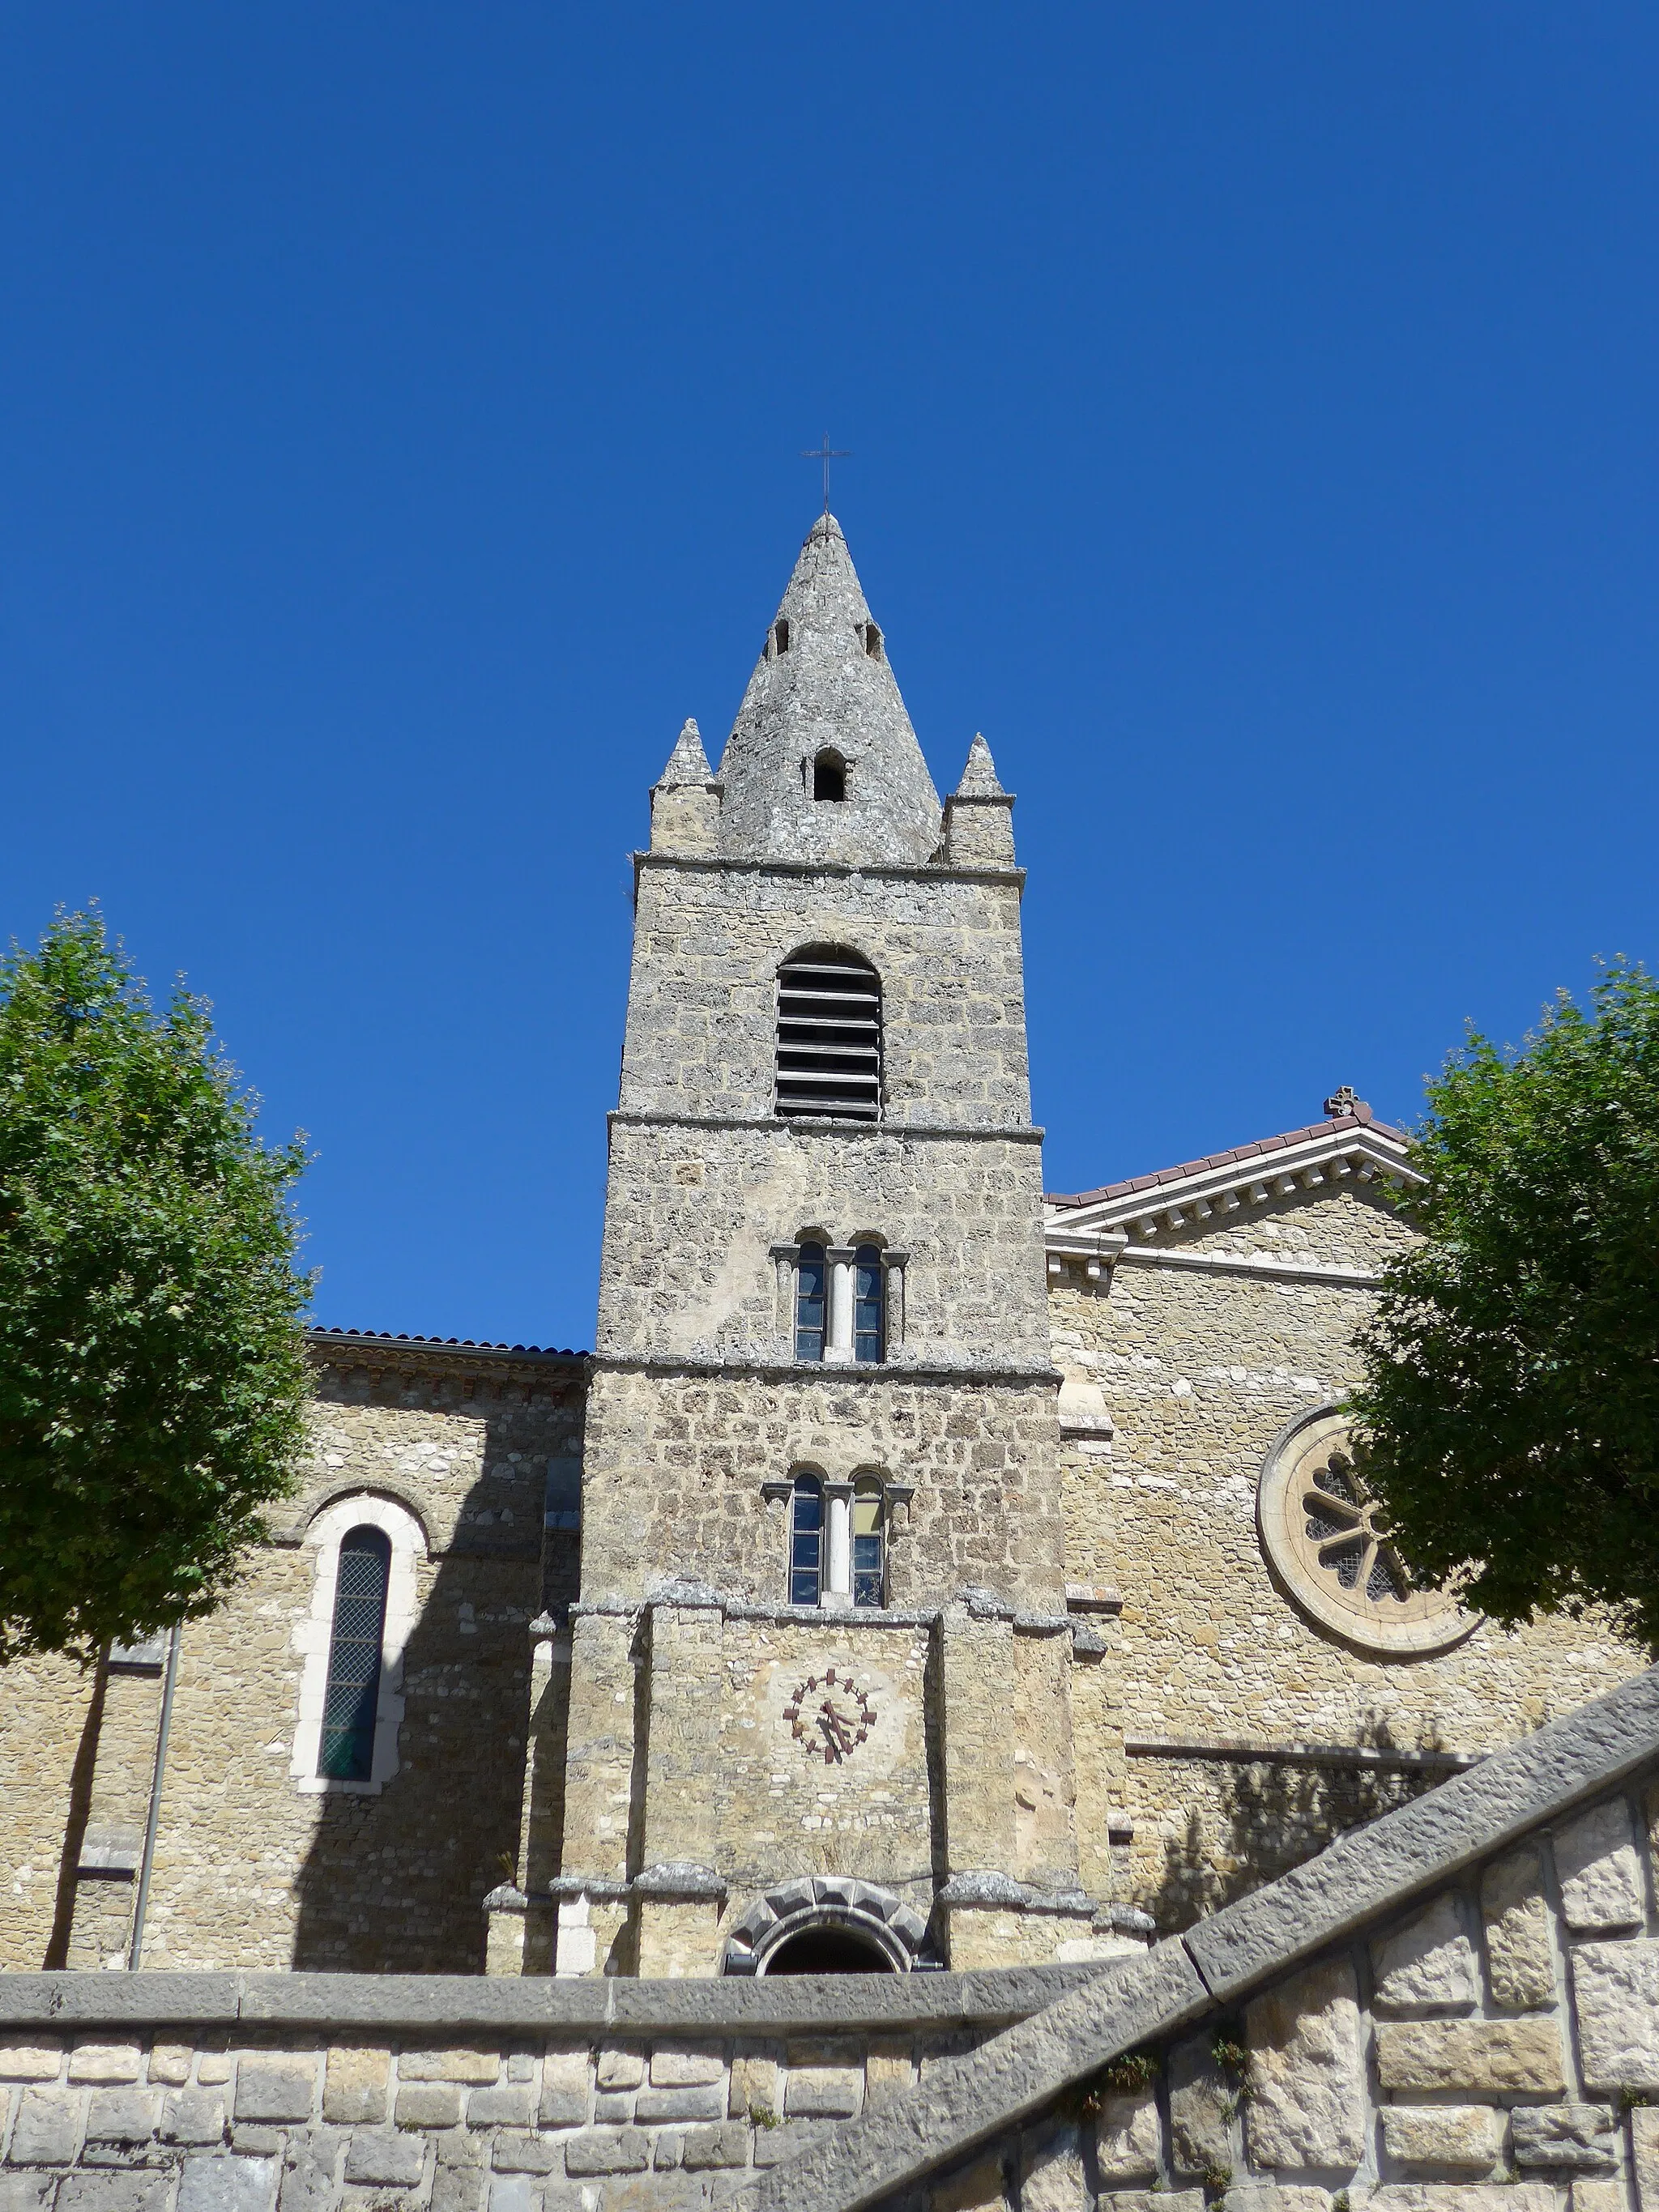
1094, 1223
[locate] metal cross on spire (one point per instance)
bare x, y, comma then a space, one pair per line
826, 453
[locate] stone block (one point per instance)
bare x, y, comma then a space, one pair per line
619, 2067
307, 2183
1570, 2138
1128, 2139
479, 2068
1152, 2200
613, 2107
428, 2105
105, 2062
510, 2105
1470, 2135
268, 2090
777, 2146
527, 2152
169, 2064
31, 2062
656, 2107
214, 2068
355, 2082
889, 2071
508, 2193
1051, 2175
384, 2159
667, 2152
1600, 1874
1644, 2154
755, 2088
1599, 2196
461, 2188
682, 2065
978, 2188
123, 2116
1459, 2197
26, 2192
1307, 2084
113, 2192
606, 2150
1616, 1996
1496, 2055
193, 2116
1428, 1964
47, 2129
703, 2148
227, 2185
256, 2142
1517, 1934
564, 2089
1200, 2138
823, 2092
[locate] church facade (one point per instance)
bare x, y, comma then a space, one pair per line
921, 1571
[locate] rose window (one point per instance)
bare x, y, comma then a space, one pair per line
1328, 1539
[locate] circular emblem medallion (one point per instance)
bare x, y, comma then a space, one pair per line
1328, 1538
829, 1714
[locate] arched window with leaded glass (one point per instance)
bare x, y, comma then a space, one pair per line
806, 1542
869, 1303
346, 1753
869, 1543
811, 1302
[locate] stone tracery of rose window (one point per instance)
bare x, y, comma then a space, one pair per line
1328, 1537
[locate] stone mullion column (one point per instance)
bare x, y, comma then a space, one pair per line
838, 1545
838, 1336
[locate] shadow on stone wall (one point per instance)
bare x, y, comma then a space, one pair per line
1253, 1821
396, 1883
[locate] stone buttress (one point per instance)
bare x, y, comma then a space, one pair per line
887, 1767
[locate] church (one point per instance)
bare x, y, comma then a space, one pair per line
923, 1570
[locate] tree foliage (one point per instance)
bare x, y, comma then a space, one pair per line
1511, 1397
152, 1359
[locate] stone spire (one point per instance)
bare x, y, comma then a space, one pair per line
978, 830
979, 778
688, 763
823, 706
685, 803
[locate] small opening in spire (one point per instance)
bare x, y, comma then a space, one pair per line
828, 775
781, 634
873, 640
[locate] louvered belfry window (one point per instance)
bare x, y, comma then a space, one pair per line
829, 1037
354, 1658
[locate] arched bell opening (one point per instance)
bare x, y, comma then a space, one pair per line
828, 1949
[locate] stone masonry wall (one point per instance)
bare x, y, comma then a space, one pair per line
676, 1463
251, 1869
1494, 2049
1197, 1374
258, 2094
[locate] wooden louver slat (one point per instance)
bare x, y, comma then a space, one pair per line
828, 1039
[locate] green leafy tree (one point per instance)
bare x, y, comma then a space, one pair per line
1510, 1402
152, 1357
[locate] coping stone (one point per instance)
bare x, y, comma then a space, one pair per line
1377, 1867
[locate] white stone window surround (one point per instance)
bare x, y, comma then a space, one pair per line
313, 1633
838, 1265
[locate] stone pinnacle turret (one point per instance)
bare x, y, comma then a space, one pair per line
823, 716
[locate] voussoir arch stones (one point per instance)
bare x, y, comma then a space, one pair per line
884, 1920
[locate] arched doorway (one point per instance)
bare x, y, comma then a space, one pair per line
828, 1924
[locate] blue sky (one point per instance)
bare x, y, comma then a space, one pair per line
1253, 414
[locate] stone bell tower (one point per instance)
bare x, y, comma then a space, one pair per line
818, 1711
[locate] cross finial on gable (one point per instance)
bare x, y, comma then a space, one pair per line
1345, 1100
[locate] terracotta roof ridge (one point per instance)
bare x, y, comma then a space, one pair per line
1239, 1153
